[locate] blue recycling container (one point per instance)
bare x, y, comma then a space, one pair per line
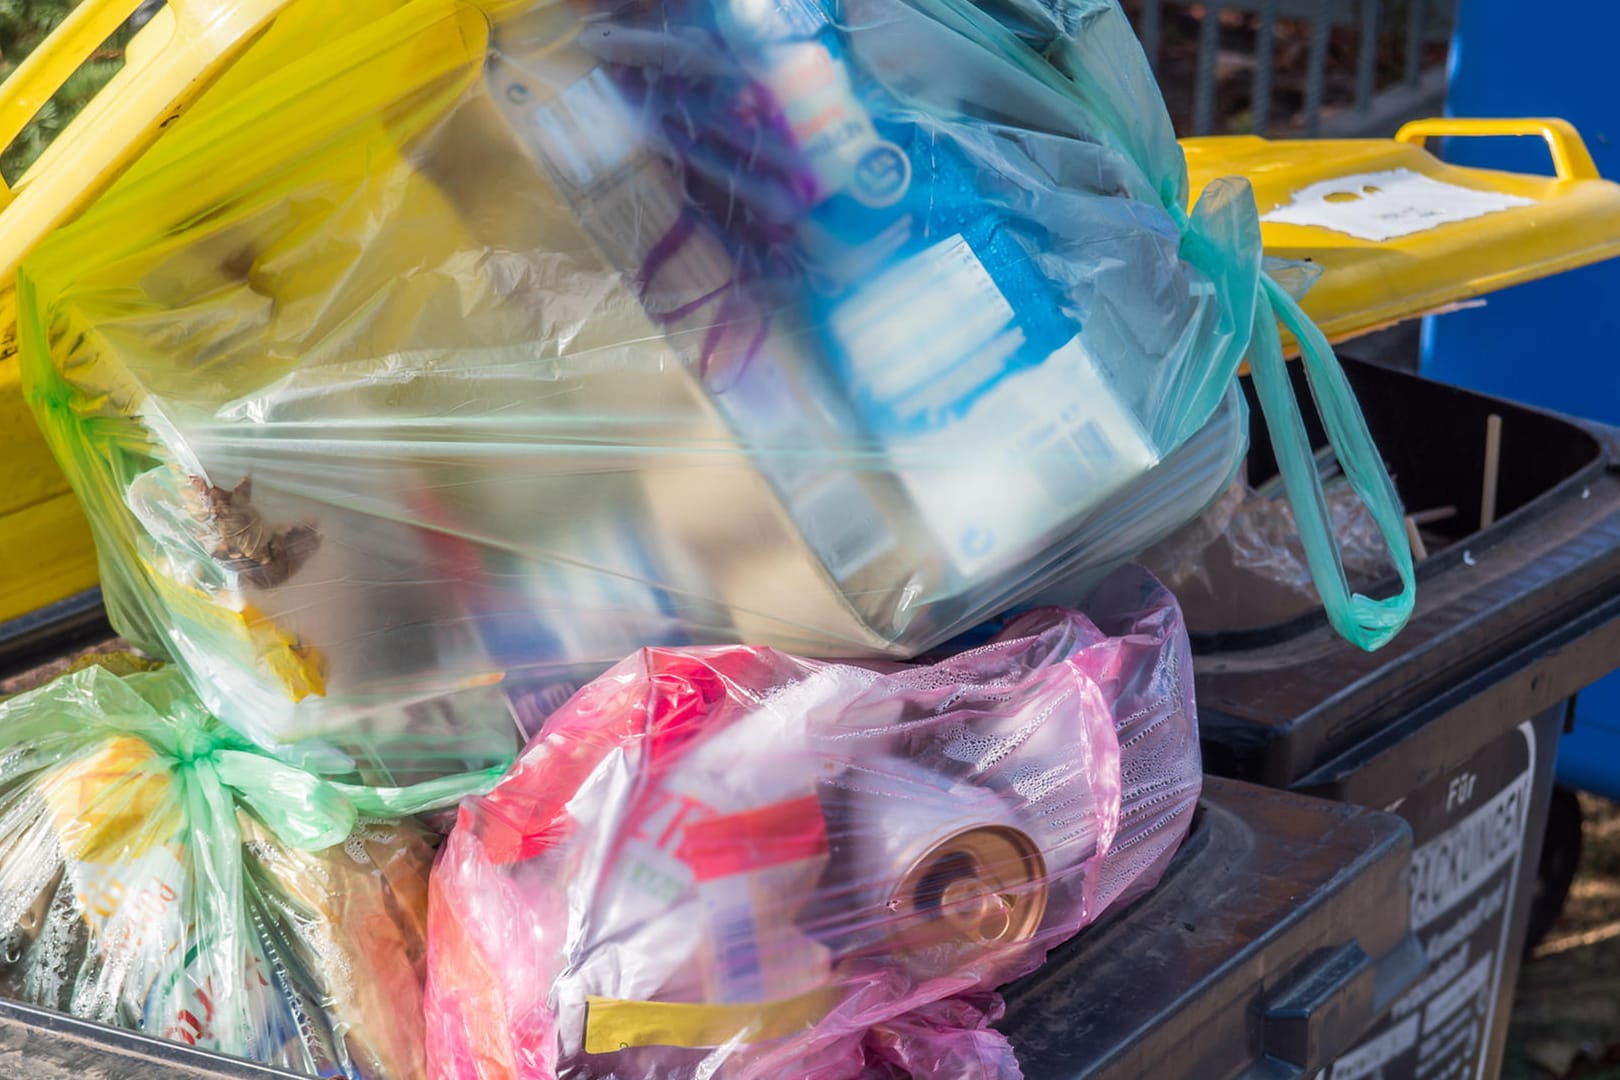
1554, 343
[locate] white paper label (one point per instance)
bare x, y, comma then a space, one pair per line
588, 131
935, 325
1044, 445
1453, 866
1369, 1058
1388, 205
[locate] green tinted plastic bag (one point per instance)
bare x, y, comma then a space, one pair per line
484, 343
159, 873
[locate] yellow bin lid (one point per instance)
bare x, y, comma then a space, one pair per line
1399, 233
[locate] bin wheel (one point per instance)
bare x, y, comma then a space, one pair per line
1560, 859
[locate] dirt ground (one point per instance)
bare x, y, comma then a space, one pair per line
1566, 1015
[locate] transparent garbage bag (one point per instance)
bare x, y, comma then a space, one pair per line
159, 873
729, 861
439, 358
1241, 565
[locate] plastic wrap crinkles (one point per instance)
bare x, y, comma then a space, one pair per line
733, 859
157, 873
446, 352
1240, 565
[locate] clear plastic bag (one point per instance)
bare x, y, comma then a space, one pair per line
1241, 564
158, 873
732, 862
463, 349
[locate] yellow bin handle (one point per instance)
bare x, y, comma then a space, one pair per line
1570, 156
158, 83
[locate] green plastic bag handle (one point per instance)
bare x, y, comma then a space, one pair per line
305, 810
214, 772
310, 813
1221, 237
1362, 620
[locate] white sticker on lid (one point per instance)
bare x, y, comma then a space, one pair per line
1388, 205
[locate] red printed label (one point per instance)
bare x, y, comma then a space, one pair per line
767, 836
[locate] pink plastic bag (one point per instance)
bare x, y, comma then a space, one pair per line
733, 862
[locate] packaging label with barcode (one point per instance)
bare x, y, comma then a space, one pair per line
1041, 448
928, 331
587, 132
1038, 445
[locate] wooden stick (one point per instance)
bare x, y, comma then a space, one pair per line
1435, 516
1415, 538
1493, 465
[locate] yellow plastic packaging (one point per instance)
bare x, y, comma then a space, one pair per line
45, 543
191, 52
158, 876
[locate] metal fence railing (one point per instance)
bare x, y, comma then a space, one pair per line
1259, 65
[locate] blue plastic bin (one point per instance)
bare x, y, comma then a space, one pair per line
1554, 343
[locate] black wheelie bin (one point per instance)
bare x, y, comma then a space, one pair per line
1454, 725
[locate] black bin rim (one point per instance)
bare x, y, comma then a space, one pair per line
1210, 642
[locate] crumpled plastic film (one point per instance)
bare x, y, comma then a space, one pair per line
733, 862
158, 873
1241, 565
427, 367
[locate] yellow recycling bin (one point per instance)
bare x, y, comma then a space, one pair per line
1399, 234
45, 544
